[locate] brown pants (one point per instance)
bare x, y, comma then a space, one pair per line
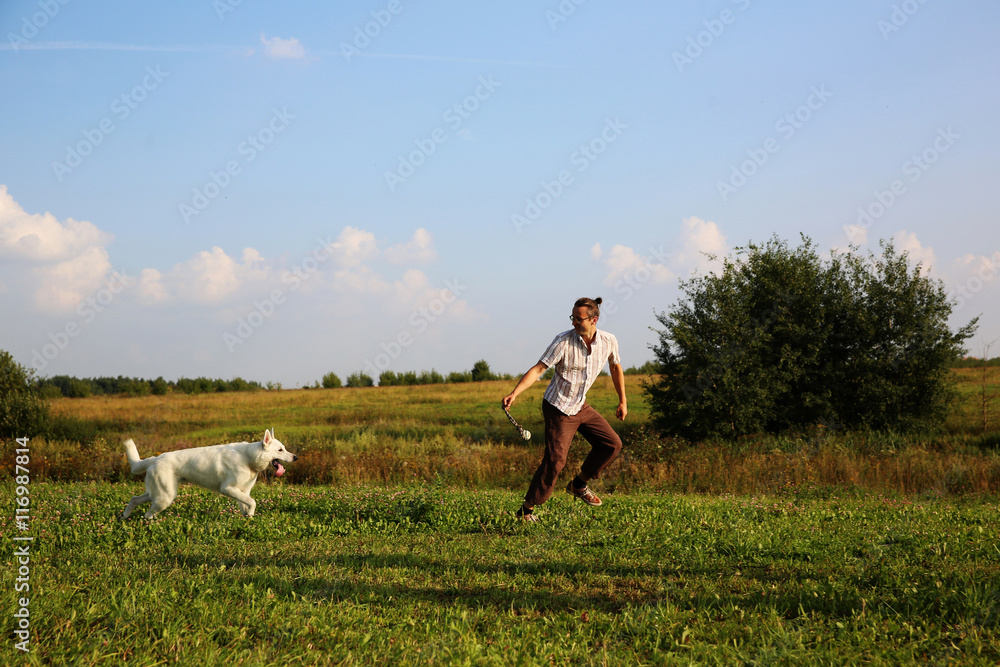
559, 431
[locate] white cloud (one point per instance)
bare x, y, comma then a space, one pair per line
856, 235
214, 278
65, 284
907, 242
68, 260
151, 290
360, 280
418, 250
699, 238
624, 263
208, 278
41, 237
974, 278
276, 47
354, 246
411, 286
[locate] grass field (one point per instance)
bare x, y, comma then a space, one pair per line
391, 541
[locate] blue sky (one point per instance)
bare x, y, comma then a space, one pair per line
279, 191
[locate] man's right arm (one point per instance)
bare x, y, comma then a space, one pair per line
526, 381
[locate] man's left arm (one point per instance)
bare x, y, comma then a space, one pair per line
618, 379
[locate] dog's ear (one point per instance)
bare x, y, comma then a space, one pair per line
267, 438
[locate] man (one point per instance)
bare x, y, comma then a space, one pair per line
578, 356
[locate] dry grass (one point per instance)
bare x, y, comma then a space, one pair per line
458, 433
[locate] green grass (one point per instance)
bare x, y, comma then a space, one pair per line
391, 540
395, 435
434, 574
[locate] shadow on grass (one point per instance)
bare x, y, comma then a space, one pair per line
510, 587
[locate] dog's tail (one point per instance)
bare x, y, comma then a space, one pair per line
137, 465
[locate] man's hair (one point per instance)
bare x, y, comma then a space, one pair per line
593, 305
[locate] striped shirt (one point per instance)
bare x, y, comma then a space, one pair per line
576, 368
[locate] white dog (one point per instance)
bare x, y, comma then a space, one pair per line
227, 469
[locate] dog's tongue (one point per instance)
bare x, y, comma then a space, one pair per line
279, 469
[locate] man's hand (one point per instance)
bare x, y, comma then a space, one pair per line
526, 381
618, 380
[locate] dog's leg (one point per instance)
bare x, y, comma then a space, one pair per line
162, 489
247, 504
135, 502
249, 511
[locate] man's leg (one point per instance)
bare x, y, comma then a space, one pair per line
559, 431
605, 444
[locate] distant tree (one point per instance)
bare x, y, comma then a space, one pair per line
67, 386
430, 377
456, 376
648, 368
159, 386
785, 339
331, 381
481, 371
23, 412
239, 384
388, 379
360, 379
133, 387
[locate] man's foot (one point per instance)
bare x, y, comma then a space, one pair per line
584, 494
529, 516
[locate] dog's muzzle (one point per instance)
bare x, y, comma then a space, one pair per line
279, 469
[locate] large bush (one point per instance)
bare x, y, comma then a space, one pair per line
783, 339
23, 412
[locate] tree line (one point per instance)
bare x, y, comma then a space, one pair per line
65, 386
779, 339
